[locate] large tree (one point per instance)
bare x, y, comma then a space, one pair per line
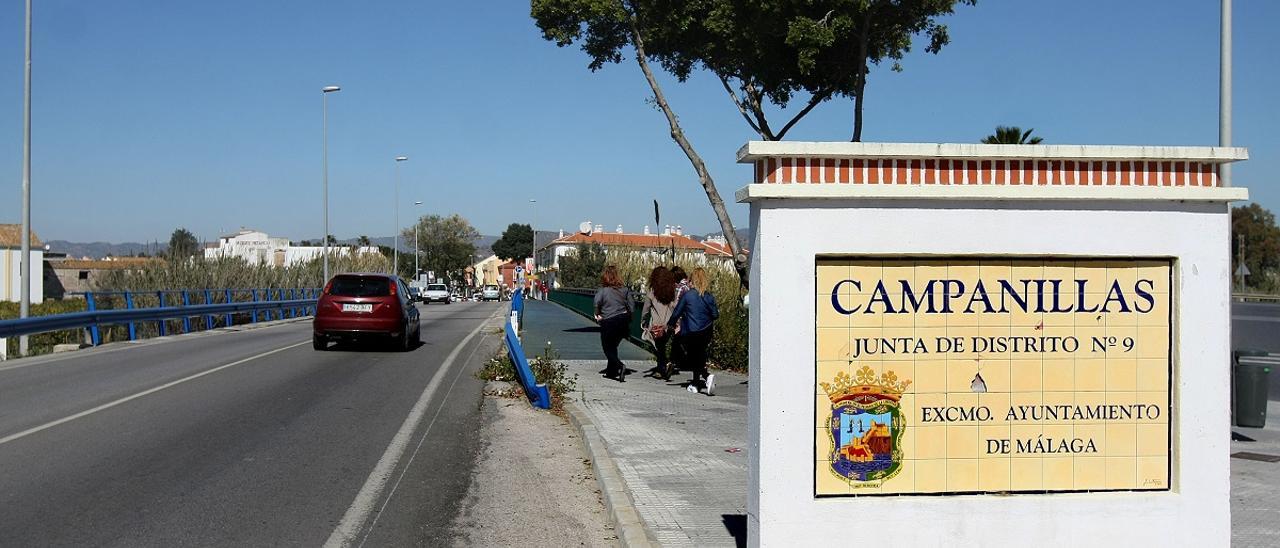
516, 243
582, 269
1012, 135
762, 52
1255, 227
183, 244
446, 245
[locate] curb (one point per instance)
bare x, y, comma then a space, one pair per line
632, 531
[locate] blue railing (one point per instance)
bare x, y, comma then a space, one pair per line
268, 302
538, 394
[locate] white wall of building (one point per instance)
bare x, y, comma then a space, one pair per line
11, 282
789, 233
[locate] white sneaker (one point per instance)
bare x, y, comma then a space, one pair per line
692, 388
711, 384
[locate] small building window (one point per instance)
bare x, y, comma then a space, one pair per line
84, 274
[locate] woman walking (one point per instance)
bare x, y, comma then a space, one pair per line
658, 305
696, 313
613, 308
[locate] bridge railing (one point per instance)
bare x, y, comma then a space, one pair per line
538, 394
210, 307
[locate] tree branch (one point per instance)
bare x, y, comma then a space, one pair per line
757, 108
742, 109
813, 102
677, 134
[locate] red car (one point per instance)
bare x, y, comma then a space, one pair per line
366, 305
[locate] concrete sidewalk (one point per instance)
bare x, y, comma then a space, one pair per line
681, 455
1255, 484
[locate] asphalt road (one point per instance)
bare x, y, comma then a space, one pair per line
1256, 326
245, 437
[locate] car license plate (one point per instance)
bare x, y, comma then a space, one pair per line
357, 308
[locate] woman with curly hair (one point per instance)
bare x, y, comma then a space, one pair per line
658, 304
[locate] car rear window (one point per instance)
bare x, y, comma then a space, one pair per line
436, 287
360, 286
490, 287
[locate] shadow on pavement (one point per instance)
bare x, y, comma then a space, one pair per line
737, 526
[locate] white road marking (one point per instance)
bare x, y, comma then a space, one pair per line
127, 399
363, 505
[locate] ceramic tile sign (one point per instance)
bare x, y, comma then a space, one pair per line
991, 375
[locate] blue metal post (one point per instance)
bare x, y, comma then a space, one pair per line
279, 295
208, 299
254, 317
293, 312
94, 336
161, 326
230, 317
186, 320
128, 303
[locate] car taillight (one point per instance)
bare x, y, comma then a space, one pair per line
327, 287
392, 285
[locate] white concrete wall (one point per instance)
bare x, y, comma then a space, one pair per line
789, 233
11, 275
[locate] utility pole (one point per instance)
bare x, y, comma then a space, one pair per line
24, 308
1224, 90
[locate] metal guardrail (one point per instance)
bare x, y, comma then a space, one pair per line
1255, 297
279, 302
538, 394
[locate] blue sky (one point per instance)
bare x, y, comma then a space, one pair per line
151, 115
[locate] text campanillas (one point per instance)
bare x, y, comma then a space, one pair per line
949, 296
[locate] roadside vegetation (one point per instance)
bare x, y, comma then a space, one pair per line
547, 369
191, 273
1255, 238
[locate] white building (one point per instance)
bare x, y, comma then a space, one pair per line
11, 265
256, 247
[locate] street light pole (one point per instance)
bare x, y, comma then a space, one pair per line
24, 309
395, 245
533, 258
1224, 90
416, 250
324, 93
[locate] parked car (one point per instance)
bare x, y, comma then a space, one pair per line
358, 307
435, 293
491, 293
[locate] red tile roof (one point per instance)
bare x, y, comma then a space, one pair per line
652, 241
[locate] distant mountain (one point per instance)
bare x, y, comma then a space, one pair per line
98, 250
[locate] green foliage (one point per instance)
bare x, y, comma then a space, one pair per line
1012, 135
183, 244
547, 369
764, 51
583, 268
42, 343
729, 346
516, 243
445, 244
1256, 227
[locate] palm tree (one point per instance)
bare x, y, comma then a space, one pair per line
363, 241
1012, 135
